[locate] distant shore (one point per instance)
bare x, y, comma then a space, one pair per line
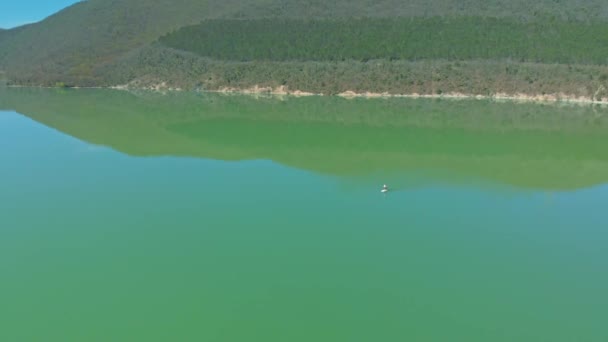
285, 91
518, 97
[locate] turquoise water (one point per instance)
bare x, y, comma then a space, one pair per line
201, 218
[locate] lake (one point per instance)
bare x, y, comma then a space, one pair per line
200, 217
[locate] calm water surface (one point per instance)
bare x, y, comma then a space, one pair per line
188, 217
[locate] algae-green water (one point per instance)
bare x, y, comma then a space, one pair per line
197, 217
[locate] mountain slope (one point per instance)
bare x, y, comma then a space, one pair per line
580, 10
86, 35
456, 38
85, 44
3, 35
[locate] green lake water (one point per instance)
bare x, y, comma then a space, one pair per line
196, 217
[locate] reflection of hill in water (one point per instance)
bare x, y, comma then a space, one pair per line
526, 145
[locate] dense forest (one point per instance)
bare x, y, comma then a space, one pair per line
177, 69
395, 46
460, 38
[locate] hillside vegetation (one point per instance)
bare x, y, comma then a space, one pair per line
73, 43
459, 38
177, 69
318, 46
3, 34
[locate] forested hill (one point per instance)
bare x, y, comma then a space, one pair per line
75, 42
458, 38
317, 45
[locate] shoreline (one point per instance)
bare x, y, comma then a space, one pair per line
517, 97
285, 91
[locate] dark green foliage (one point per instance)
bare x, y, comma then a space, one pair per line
179, 69
88, 43
579, 10
464, 38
